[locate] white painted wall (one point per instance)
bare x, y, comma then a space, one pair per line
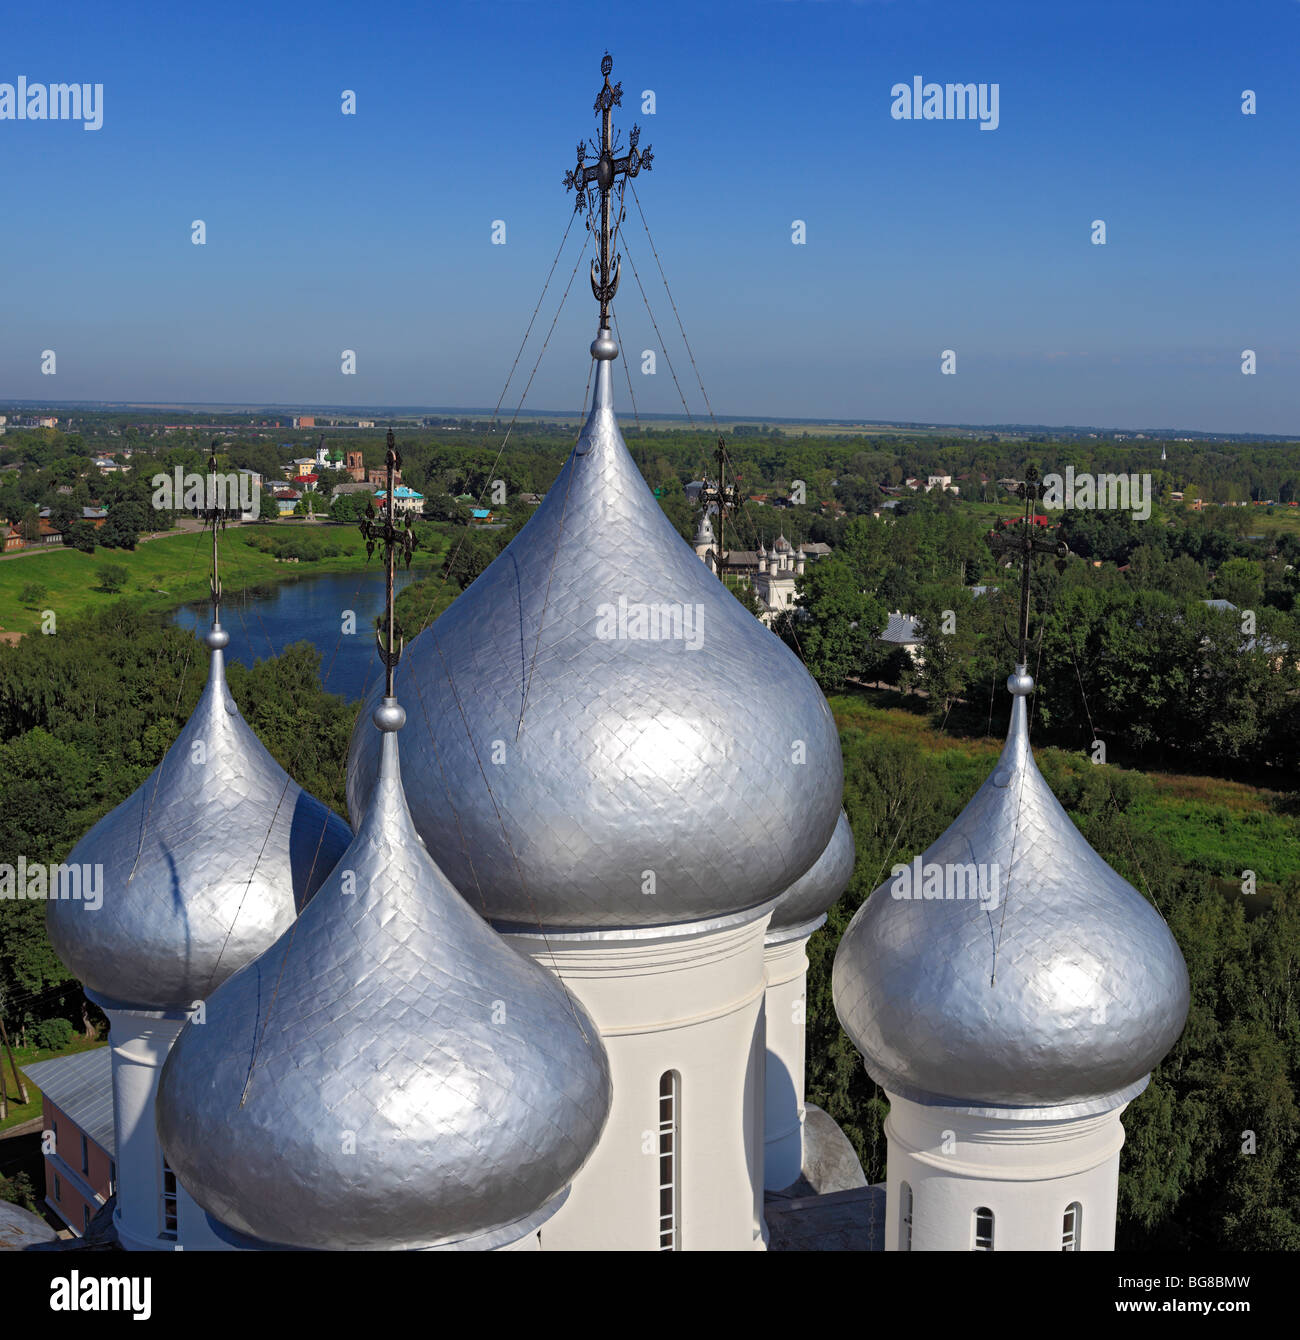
1026, 1171
691, 1003
783, 1105
139, 1041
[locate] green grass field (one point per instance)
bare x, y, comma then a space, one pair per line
1217, 826
166, 572
25, 1056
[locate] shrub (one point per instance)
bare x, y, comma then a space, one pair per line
17, 1190
54, 1034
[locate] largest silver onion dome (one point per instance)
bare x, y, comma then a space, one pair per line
603, 737
390, 1074
1062, 991
202, 867
820, 886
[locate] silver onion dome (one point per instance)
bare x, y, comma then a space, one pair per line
390, 1074
704, 531
1061, 992
602, 736
202, 866
820, 886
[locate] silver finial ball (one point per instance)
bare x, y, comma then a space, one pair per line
607, 64
216, 637
1020, 682
604, 345
389, 715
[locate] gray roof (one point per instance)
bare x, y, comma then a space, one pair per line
1055, 994
22, 1231
901, 628
82, 1086
631, 748
1219, 604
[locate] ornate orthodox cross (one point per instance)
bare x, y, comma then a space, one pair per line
383, 529
604, 172
726, 495
1025, 545
215, 517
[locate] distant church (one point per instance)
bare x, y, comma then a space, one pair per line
549, 992
771, 575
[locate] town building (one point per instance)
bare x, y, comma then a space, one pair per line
77, 1111
404, 499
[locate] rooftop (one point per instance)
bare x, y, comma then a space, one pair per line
82, 1086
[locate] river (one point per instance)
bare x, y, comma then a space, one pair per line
311, 610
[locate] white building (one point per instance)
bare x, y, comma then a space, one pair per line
774, 577
1008, 1060
404, 499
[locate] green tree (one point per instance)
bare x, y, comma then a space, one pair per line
836, 636
1240, 580
82, 536
112, 577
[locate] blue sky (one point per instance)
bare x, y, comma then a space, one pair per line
372, 232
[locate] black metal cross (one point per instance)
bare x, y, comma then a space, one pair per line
1025, 545
215, 517
604, 172
385, 531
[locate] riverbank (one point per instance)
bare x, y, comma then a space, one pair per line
170, 571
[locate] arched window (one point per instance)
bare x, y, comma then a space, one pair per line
905, 1216
983, 1229
669, 1164
1072, 1228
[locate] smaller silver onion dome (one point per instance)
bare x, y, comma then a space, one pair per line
1058, 987
820, 886
704, 531
202, 866
390, 1074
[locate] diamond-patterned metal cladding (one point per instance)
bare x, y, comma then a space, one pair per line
812, 893
410, 1079
203, 866
1090, 988
617, 755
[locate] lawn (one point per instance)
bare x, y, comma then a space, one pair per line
164, 573
1217, 826
25, 1056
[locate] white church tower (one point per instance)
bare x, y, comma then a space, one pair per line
706, 542
799, 912
204, 866
1008, 1029
587, 771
